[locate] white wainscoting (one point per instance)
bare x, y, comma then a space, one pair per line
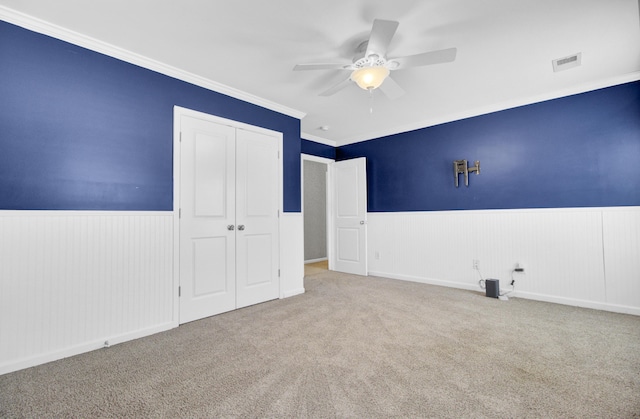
69, 281
588, 257
72, 280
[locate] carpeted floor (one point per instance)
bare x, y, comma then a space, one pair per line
357, 347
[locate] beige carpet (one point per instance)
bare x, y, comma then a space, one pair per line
356, 347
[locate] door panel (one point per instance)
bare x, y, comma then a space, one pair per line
257, 204
207, 195
347, 197
210, 167
259, 171
348, 247
209, 273
349, 183
259, 253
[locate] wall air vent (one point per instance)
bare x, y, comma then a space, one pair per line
567, 62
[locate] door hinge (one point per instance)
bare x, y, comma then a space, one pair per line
179, 291
180, 136
278, 273
179, 212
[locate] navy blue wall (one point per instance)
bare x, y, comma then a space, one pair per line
577, 151
83, 131
319, 150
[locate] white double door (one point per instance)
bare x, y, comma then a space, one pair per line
229, 205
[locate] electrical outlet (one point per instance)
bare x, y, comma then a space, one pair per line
476, 264
377, 255
519, 267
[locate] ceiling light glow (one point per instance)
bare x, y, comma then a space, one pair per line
369, 78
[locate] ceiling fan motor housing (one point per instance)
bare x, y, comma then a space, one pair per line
370, 61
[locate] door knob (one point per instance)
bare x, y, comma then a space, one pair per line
361, 222
230, 227
241, 227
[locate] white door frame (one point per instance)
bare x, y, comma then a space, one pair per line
178, 112
329, 200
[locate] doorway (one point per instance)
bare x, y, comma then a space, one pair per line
342, 213
315, 206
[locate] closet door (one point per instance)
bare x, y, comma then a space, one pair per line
229, 202
257, 203
207, 220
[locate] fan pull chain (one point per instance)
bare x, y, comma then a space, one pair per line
370, 100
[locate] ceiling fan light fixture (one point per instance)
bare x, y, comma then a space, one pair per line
370, 77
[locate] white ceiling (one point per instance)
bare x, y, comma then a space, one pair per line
505, 49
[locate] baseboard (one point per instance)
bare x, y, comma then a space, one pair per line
430, 281
292, 293
615, 308
315, 260
82, 348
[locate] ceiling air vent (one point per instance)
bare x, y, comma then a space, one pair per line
567, 62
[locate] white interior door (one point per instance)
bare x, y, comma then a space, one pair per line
349, 220
229, 224
257, 197
207, 206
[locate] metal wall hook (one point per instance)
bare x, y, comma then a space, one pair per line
460, 166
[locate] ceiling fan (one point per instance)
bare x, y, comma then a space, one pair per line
371, 67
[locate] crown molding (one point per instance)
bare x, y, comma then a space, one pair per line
317, 139
58, 32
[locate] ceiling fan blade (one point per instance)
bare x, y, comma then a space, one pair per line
335, 89
426, 58
381, 34
391, 89
322, 66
